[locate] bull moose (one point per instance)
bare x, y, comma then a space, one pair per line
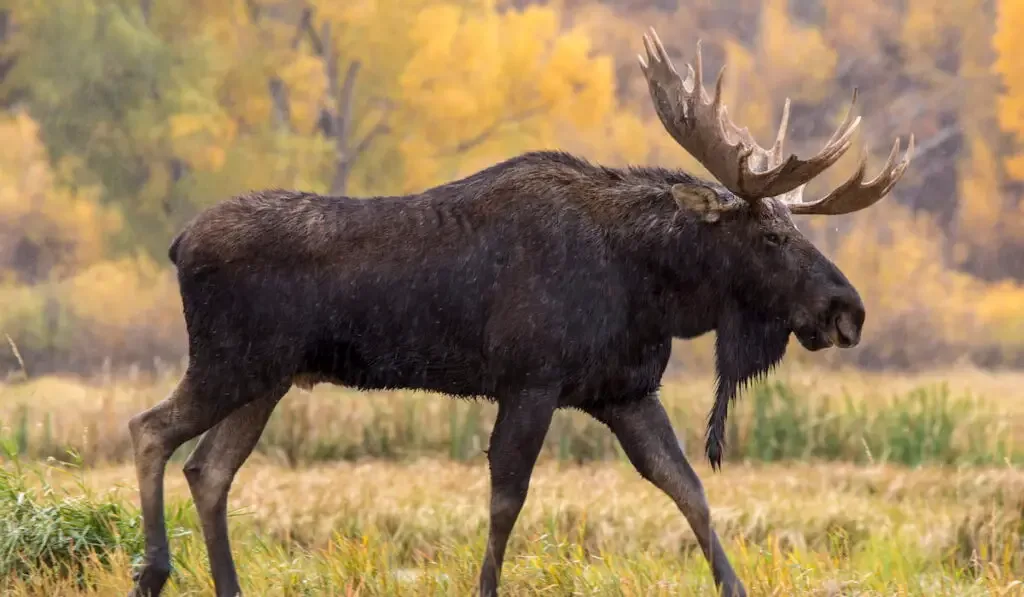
539, 283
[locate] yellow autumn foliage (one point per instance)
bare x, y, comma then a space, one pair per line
447, 87
796, 58
144, 293
1010, 45
46, 229
858, 24
58, 293
998, 308
482, 85
126, 310
981, 212
915, 302
925, 24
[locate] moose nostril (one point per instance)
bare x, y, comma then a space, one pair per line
848, 307
858, 316
847, 328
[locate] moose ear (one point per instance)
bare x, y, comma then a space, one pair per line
701, 200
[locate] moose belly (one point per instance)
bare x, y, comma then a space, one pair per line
378, 368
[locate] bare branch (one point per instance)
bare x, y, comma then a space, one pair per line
282, 113
6, 62
254, 10
346, 100
305, 24
380, 129
338, 121
314, 39
936, 141
493, 128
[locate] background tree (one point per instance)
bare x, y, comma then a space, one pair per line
1009, 45
132, 115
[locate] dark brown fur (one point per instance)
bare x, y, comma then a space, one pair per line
542, 282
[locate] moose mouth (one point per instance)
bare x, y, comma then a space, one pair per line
839, 330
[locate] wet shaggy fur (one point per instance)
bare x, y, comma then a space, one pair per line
542, 282
541, 270
501, 282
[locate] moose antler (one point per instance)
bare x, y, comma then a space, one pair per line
701, 125
853, 195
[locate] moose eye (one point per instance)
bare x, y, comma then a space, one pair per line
773, 239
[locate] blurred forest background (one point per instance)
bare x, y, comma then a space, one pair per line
121, 119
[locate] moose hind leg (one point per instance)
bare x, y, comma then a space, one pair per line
201, 399
516, 441
156, 433
646, 435
211, 469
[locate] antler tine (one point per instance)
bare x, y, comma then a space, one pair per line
841, 139
854, 195
701, 125
698, 79
794, 172
780, 137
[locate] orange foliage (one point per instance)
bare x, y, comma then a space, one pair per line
1010, 45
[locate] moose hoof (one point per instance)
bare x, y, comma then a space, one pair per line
150, 580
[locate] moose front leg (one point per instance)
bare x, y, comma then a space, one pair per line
516, 441
646, 435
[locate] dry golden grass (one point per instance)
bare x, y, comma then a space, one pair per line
417, 528
49, 415
312, 521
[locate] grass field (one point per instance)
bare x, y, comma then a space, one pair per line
951, 417
837, 484
417, 528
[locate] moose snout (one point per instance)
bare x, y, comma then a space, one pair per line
847, 321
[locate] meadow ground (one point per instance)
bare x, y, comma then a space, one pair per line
836, 484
